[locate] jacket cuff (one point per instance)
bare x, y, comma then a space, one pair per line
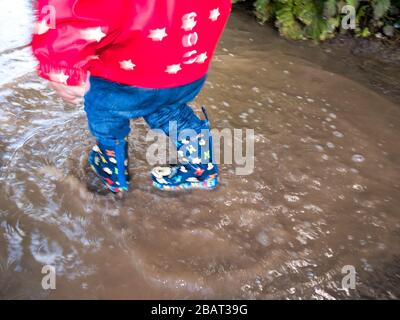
61, 74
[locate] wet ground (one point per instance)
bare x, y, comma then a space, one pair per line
325, 191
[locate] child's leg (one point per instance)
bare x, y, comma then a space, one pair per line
181, 115
194, 144
109, 157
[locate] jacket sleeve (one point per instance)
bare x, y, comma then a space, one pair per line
68, 33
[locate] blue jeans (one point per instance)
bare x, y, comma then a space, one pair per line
110, 106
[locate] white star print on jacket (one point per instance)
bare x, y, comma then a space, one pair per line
60, 77
173, 69
157, 34
201, 57
94, 34
153, 44
41, 27
127, 64
214, 14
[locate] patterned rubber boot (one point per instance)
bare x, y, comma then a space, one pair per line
196, 168
110, 164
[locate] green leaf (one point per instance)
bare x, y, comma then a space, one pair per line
381, 7
353, 3
263, 10
330, 8
365, 33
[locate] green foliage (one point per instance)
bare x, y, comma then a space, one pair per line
321, 19
380, 8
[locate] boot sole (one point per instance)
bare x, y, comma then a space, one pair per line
209, 184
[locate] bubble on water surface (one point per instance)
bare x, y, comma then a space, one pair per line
291, 198
358, 187
330, 145
263, 238
338, 134
358, 158
313, 208
319, 147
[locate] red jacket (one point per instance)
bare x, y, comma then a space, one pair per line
145, 43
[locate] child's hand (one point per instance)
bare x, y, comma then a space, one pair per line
71, 94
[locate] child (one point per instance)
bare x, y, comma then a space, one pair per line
146, 58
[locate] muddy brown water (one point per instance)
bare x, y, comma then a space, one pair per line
324, 192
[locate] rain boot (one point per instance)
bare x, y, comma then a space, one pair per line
110, 164
196, 168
